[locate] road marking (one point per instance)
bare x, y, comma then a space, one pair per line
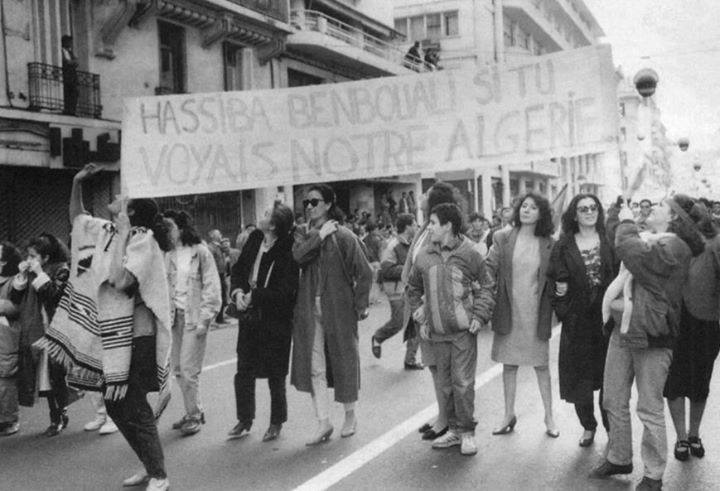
220, 364
356, 460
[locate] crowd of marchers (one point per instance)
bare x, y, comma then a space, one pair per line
131, 300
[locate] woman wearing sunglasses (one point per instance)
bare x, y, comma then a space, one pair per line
581, 265
332, 297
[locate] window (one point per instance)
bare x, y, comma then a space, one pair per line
524, 39
623, 134
417, 28
172, 58
401, 25
622, 109
452, 25
432, 24
508, 32
232, 60
301, 79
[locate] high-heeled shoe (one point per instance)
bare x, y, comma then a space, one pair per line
508, 428
586, 442
321, 436
349, 428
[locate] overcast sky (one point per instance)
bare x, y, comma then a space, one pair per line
682, 40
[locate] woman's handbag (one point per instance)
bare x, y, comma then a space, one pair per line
251, 315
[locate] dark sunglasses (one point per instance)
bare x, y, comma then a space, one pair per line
312, 202
587, 209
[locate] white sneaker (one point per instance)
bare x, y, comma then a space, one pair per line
468, 446
95, 424
136, 479
449, 439
108, 428
156, 484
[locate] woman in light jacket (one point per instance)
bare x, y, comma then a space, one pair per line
264, 285
519, 258
195, 290
332, 297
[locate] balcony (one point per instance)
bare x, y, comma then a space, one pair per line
535, 22
277, 9
49, 92
317, 34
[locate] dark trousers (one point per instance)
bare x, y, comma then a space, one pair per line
133, 415
245, 395
58, 396
220, 318
586, 415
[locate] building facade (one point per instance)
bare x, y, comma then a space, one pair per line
54, 117
476, 33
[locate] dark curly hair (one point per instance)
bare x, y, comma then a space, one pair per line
48, 245
449, 212
569, 217
283, 219
443, 192
184, 222
544, 226
145, 213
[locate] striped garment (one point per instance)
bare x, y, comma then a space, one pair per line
456, 285
92, 330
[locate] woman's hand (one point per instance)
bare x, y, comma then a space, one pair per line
34, 266
561, 288
475, 326
88, 171
328, 228
240, 301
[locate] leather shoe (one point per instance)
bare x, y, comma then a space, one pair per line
508, 428
240, 430
431, 434
425, 428
272, 433
607, 469
414, 366
696, 447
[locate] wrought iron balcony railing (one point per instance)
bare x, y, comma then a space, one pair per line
52, 90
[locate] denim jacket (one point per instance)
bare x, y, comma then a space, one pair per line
204, 297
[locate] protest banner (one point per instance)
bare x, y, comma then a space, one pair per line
554, 105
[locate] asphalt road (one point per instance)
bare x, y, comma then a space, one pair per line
386, 452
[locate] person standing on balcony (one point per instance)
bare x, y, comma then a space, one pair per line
414, 57
70, 76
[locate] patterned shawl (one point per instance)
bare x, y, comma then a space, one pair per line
91, 333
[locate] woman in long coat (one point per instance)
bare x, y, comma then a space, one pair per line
582, 267
264, 280
333, 296
519, 260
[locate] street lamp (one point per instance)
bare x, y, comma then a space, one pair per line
683, 144
646, 81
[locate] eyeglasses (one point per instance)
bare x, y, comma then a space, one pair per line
312, 202
587, 209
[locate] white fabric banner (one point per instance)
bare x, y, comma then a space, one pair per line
554, 105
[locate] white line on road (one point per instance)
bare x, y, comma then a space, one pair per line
220, 364
356, 460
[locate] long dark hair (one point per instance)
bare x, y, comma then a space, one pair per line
689, 232
544, 227
184, 222
283, 219
147, 214
328, 195
569, 217
11, 257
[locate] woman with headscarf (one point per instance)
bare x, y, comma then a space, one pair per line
332, 297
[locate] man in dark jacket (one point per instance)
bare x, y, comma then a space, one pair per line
391, 266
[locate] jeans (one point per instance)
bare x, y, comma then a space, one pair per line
9, 410
456, 364
586, 415
188, 352
394, 326
245, 395
318, 375
133, 415
57, 397
649, 367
